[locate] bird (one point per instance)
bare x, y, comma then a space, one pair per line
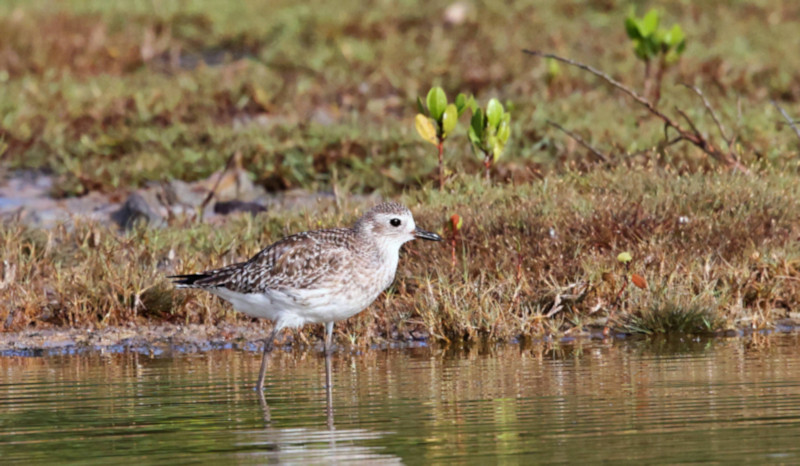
320, 277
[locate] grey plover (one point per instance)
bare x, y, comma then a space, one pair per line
319, 277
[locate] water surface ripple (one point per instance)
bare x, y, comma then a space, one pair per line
687, 400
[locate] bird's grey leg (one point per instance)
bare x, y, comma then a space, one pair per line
328, 338
269, 343
264, 408
329, 372
329, 390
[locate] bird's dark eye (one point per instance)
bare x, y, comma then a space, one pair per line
395, 222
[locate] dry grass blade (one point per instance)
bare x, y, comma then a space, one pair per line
234, 155
580, 141
9, 275
787, 118
711, 111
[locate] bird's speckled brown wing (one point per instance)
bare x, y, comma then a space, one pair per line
304, 260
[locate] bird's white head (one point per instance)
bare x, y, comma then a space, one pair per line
391, 225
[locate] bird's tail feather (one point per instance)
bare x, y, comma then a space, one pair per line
189, 280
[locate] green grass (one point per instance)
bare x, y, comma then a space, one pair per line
110, 95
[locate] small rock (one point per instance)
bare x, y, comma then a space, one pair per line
136, 209
181, 192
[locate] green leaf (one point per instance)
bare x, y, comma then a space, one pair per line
503, 132
494, 112
473, 106
647, 48
497, 150
649, 23
657, 39
420, 107
624, 257
449, 120
477, 124
665, 38
632, 28
674, 36
474, 138
653, 45
461, 103
437, 101
553, 69
640, 49
674, 43
681, 47
426, 129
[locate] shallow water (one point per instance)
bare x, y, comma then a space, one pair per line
634, 401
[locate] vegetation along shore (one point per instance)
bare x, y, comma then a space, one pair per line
644, 183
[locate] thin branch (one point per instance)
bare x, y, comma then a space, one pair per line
213, 191
694, 136
710, 110
787, 117
606, 78
689, 122
580, 141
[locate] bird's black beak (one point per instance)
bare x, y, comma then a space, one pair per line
422, 234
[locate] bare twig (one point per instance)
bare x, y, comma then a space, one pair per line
213, 191
710, 111
580, 141
646, 103
557, 306
694, 136
689, 122
787, 117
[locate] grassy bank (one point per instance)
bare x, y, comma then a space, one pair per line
718, 251
109, 96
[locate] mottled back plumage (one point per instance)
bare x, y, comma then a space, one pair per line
302, 260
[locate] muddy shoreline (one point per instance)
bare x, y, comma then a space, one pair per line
166, 338
162, 338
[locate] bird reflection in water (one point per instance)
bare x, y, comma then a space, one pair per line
328, 396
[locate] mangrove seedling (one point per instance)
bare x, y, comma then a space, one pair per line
453, 227
488, 132
654, 44
437, 119
624, 258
